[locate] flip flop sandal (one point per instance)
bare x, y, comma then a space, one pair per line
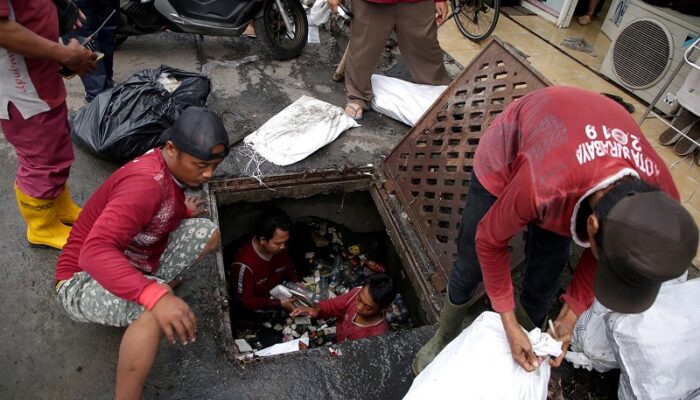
356, 109
670, 136
685, 146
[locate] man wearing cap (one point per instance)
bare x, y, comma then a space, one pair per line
565, 163
136, 233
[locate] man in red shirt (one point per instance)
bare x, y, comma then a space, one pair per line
134, 236
262, 263
360, 312
34, 116
415, 24
565, 163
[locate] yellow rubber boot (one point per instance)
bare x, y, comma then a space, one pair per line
66, 210
43, 226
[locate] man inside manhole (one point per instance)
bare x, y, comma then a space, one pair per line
361, 312
564, 163
263, 263
136, 233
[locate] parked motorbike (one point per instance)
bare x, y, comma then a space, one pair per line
280, 24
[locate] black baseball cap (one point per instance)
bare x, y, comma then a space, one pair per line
197, 131
648, 238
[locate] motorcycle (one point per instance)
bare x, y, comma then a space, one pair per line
281, 24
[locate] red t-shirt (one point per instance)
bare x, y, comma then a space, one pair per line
541, 157
256, 275
343, 308
123, 229
26, 78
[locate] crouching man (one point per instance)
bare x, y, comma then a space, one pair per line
360, 312
136, 234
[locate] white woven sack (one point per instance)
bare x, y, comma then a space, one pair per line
478, 365
401, 100
299, 130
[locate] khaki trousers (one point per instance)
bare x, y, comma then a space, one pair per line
416, 33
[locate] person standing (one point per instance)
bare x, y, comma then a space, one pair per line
97, 12
415, 24
34, 115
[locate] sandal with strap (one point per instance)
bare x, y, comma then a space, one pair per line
355, 111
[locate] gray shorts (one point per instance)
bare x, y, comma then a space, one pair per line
85, 300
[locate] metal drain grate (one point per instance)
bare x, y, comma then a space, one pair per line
429, 170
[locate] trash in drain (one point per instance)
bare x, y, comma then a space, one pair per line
327, 267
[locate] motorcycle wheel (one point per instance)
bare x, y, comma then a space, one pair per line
270, 27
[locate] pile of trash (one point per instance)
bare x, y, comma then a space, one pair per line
335, 270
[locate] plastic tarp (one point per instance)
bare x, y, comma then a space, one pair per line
126, 121
401, 100
299, 130
478, 365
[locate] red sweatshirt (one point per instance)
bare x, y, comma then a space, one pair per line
123, 229
541, 157
343, 308
256, 275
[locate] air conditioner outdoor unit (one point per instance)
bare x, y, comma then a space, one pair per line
647, 49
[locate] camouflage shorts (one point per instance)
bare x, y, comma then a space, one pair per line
85, 300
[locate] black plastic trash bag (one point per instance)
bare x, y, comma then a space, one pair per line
126, 121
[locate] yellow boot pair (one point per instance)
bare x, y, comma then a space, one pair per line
46, 218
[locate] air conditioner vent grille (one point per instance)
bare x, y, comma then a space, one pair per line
641, 54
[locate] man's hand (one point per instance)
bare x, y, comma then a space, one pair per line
79, 59
175, 317
520, 346
310, 311
333, 5
288, 304
441, 12
564, 328
195, 205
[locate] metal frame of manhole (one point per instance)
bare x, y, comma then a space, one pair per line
430, 169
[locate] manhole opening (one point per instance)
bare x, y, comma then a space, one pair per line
316, 210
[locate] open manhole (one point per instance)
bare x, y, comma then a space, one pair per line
408, 209
345, 205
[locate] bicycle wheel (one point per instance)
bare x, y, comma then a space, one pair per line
476, 19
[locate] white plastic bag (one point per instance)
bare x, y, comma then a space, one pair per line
658, 349
299, 130
319, 13
401, 100
478, 365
